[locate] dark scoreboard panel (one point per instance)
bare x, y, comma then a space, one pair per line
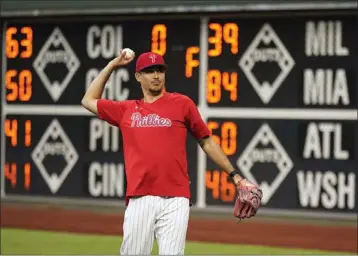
278, 93
282, 104
283, 60
309, 164
52, 63
45, 156
64, 155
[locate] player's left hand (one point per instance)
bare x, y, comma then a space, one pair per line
248, 199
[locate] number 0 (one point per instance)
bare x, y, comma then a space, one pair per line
229, 135
159, 39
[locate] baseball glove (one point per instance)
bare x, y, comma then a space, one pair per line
248, 200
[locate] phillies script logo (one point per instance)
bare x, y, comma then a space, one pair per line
151, 120
153, 57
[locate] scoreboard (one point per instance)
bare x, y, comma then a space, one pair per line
278, 93
51, 143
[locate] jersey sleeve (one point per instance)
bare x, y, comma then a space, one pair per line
195, 123
111, 111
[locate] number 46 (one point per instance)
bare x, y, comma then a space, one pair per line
221, 189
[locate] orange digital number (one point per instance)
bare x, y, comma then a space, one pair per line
221, 188
212, 181
159, 39
11, 131
27, 176
13, 46
28, 133
231, 36
213, 126
11, 172
216, 80
27, 42
21, 89
213, 92
229, 32
190, 62
229, 82
216, 40
228, 136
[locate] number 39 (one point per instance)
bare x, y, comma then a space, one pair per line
229, 32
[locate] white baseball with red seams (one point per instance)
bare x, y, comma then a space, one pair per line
129, 53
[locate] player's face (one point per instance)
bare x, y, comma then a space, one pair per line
152, 79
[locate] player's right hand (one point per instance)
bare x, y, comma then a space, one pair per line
121, 60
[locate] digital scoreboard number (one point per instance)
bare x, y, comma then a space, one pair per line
224, 43
20, 135
278, 95
19, 44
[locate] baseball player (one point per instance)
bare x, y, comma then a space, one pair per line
154, 131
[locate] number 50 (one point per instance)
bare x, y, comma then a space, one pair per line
228, 136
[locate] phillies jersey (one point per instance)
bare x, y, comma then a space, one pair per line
154, 142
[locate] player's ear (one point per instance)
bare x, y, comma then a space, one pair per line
137, 76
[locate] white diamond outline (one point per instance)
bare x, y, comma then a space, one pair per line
54, 181
39, 67
266, 95
268, 190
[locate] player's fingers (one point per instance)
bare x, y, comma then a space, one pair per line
240, 211
255, 204
249, 212
244, 210
121, 56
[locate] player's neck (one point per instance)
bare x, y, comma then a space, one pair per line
150, 98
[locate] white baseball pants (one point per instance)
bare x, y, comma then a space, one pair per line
152, 217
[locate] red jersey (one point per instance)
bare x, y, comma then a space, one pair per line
154, 142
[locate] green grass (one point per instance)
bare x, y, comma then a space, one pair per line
17, 241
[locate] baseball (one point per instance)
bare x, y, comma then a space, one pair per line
129, 53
